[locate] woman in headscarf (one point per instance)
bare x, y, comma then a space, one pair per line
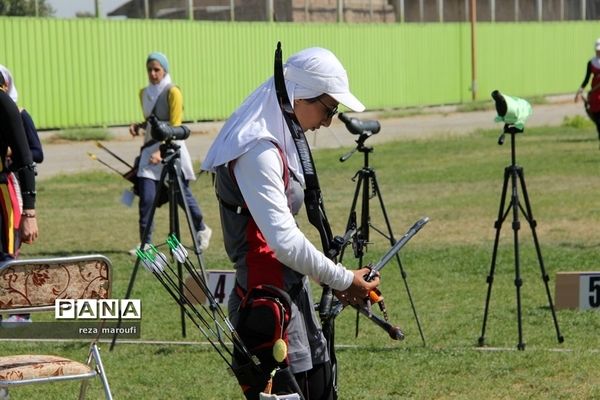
33, 138
592, 103
259, 184
17, 223
15, 215
162, 99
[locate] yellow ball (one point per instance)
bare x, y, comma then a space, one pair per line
279, 350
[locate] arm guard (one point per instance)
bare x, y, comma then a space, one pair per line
26, 176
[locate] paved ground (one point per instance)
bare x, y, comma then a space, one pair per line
65, 158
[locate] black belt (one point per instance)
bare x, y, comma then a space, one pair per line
240, 210
294, 291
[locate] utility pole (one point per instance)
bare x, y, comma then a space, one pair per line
269, 6
473, 49
340, 10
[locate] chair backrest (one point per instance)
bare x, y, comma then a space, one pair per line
34, 285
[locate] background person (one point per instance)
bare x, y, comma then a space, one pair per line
592, 106
164, 100
17, 224
33, 139
259, 183
35, 146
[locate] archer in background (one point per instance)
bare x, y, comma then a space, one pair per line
592, 103
162, 99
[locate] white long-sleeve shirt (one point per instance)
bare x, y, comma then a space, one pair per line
259, 175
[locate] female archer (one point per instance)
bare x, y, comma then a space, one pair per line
259, 183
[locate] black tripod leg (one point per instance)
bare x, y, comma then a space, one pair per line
532, 224
362, 186
392, 242
359, 232
490, 278
192, 229
127, 296
516, 225
175, 189
352, 214
137, 260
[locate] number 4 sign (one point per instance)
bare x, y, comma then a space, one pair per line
220, 283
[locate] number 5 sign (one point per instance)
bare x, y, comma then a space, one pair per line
578, 290
589, 291
219, 282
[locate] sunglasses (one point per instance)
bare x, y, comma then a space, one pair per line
330, 111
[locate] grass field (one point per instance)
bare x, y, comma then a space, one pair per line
457, 183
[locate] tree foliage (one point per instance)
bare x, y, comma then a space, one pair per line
26, 8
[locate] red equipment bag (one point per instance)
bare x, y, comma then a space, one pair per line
265, 313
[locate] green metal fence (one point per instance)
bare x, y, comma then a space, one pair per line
87, 72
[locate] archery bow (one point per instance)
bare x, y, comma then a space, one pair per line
315, 209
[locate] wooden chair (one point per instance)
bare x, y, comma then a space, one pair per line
29, 286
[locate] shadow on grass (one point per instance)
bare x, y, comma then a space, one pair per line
577, 140
46, 254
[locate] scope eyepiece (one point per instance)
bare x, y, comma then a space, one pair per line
358, 127
501, 106
164, 131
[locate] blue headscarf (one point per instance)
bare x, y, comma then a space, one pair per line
161, 58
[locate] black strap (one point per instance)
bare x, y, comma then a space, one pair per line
313, 198
153, 114
292, 292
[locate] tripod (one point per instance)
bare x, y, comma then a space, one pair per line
515, 172
171, 174
367, 187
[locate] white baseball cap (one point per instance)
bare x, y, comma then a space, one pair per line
319, 71
597, 45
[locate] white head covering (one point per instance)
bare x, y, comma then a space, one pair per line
318, 70
12, 90
152, 92
308, 74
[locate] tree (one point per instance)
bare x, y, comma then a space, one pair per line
26, 8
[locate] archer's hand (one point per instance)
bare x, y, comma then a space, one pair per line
155, 158
578, 94
134, 129
29, 228
359, 289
